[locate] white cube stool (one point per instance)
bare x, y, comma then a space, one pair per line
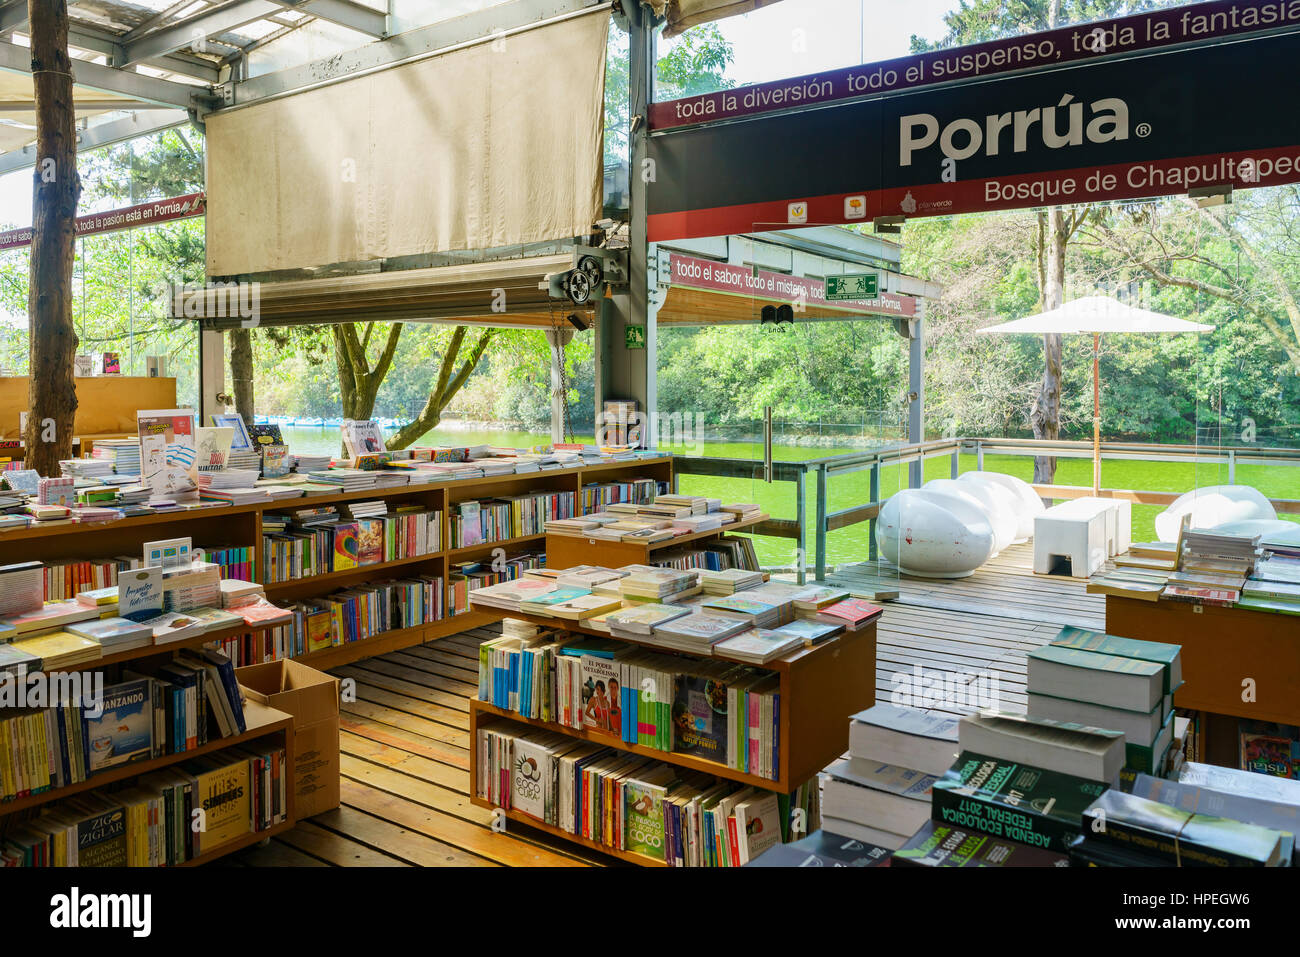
1123, 534
1079, 531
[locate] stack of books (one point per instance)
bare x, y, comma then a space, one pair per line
730, 580
114, 634
755, 612
1212, 567
247, 460
124, 454
880, 794
643, 582
1022, 805
696, 634
306, 462
1104, 681
1142, 573
349, 480
22, 587
1128, 830
853, 614
640, 621
758, 646
1275, 586
195, 586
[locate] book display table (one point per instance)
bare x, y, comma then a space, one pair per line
1237, 663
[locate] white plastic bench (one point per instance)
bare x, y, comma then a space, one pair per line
1083, 531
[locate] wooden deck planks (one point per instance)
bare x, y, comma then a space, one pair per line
404, 733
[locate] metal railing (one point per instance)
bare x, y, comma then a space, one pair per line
823, 470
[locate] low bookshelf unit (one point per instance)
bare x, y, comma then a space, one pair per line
819, 687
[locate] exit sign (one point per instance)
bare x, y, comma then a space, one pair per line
863, 285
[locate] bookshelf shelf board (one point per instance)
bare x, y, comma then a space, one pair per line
148, 651
478, 488
361, 571
488, 546
565, 551
796, 657
668, 757
54, 529
238, 844
261, 722
629, 856
394, 640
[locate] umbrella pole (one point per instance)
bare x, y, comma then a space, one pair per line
1096, 415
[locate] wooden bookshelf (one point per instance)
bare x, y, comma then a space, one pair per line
241, 525
261, 720
668, 757
1222, 647
630, 856
566, 551
394, 640
820, 688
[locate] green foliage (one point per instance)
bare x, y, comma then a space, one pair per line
977, 21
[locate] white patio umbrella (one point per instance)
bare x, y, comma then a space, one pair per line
1097, 315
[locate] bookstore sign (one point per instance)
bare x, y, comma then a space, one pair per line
141, 214
761, 284
1148, 32
1109, 130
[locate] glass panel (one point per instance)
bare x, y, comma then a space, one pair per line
802, 37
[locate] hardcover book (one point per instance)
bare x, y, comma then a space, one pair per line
1013, 801
123, 731
1174, 836
941, 845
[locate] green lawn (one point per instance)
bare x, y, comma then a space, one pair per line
850, 544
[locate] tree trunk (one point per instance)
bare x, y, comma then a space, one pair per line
1046, 414
241, 372
52, 398
445, 389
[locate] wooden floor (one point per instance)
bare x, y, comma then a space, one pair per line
405, 763
971, 628
405, 739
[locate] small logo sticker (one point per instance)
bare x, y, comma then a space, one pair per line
797, 213
855, 207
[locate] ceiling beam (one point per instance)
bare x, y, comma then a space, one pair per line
344, 13
95, 76
185, 33
13, 16
139, 123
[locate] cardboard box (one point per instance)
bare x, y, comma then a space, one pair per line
312, 697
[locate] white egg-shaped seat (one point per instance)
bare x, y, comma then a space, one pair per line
1277, 530
1212, 506
934, 534
1001, 518
1027, 500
